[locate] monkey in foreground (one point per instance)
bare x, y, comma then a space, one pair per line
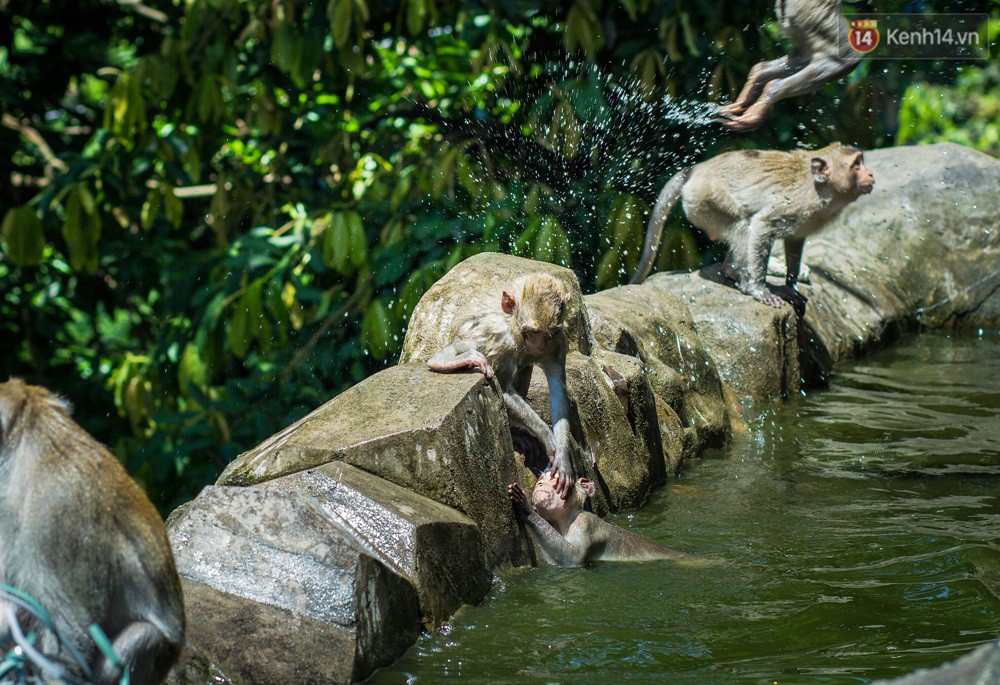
81, 537
750, 198
570, 536
820, 55
528, 328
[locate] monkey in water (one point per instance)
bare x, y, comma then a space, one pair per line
527, 329
750, 198
81, 537
820, 55
570, 536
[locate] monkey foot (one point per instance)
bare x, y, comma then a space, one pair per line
743, 123
731, 111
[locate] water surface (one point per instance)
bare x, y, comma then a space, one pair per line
860, 533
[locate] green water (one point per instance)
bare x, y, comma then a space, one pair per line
860, 529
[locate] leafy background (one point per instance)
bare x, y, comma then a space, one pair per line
217, 214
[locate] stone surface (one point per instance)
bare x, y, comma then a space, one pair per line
276, 592
437, 549
474, 287
444, 436
653, 324
979, 667
754, 346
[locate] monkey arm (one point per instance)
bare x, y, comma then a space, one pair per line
555, 546
555, 373
756, 250
460, 355
521, 413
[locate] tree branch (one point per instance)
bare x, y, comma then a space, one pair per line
35, 138
145, 11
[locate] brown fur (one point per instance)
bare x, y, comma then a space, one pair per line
81, 536
750, 198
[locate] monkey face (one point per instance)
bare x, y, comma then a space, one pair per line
864, 181
551, 506
536, 342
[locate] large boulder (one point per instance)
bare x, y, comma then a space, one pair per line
474, 287
444, 436
437, 549
923, 249
277, 592
755, 347
655, 325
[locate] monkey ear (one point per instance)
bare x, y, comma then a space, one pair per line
507, 303
587, 486
820, 170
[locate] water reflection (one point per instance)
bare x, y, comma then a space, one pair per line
860, 528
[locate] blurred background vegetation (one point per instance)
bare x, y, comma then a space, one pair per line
217, 214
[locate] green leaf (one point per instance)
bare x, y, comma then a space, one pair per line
150, 208
172, 206
376, 331
358, 240
23, 236
337, 243
340, 23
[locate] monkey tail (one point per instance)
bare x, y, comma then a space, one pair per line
664, 203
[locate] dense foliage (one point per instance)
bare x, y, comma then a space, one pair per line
219, 213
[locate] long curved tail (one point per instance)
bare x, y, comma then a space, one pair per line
664, 203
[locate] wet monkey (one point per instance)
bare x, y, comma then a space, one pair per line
820, 55
570, 536
81, 537
750, 198
528, 328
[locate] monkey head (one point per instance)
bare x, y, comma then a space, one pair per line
551, 506
539, 315
842, 168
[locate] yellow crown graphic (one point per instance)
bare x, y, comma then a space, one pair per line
864, 23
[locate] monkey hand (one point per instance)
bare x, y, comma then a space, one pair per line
479, 361
768, 298
522, 507
562, 468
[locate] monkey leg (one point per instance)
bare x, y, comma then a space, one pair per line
759, 76
451, 358
143, 650
820, 71
756, 251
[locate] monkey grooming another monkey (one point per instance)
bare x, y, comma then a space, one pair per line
750, 198
80, 536
570, 536
821, 54
527, 329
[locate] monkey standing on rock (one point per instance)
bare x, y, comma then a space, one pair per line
528, 328
750, 198
81, 537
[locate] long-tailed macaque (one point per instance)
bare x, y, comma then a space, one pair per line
820, 55
81, 537
750, 198
528, 328
570, 536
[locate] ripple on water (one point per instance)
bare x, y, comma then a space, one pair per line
859, 529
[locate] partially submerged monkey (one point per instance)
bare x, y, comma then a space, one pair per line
821, 54
81, 537
750, 198
570, 536
527, 329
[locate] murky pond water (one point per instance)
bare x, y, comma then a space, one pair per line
860, 533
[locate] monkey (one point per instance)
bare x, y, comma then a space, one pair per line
528, 329
570, 536
750, 198
821, 54
81, 537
